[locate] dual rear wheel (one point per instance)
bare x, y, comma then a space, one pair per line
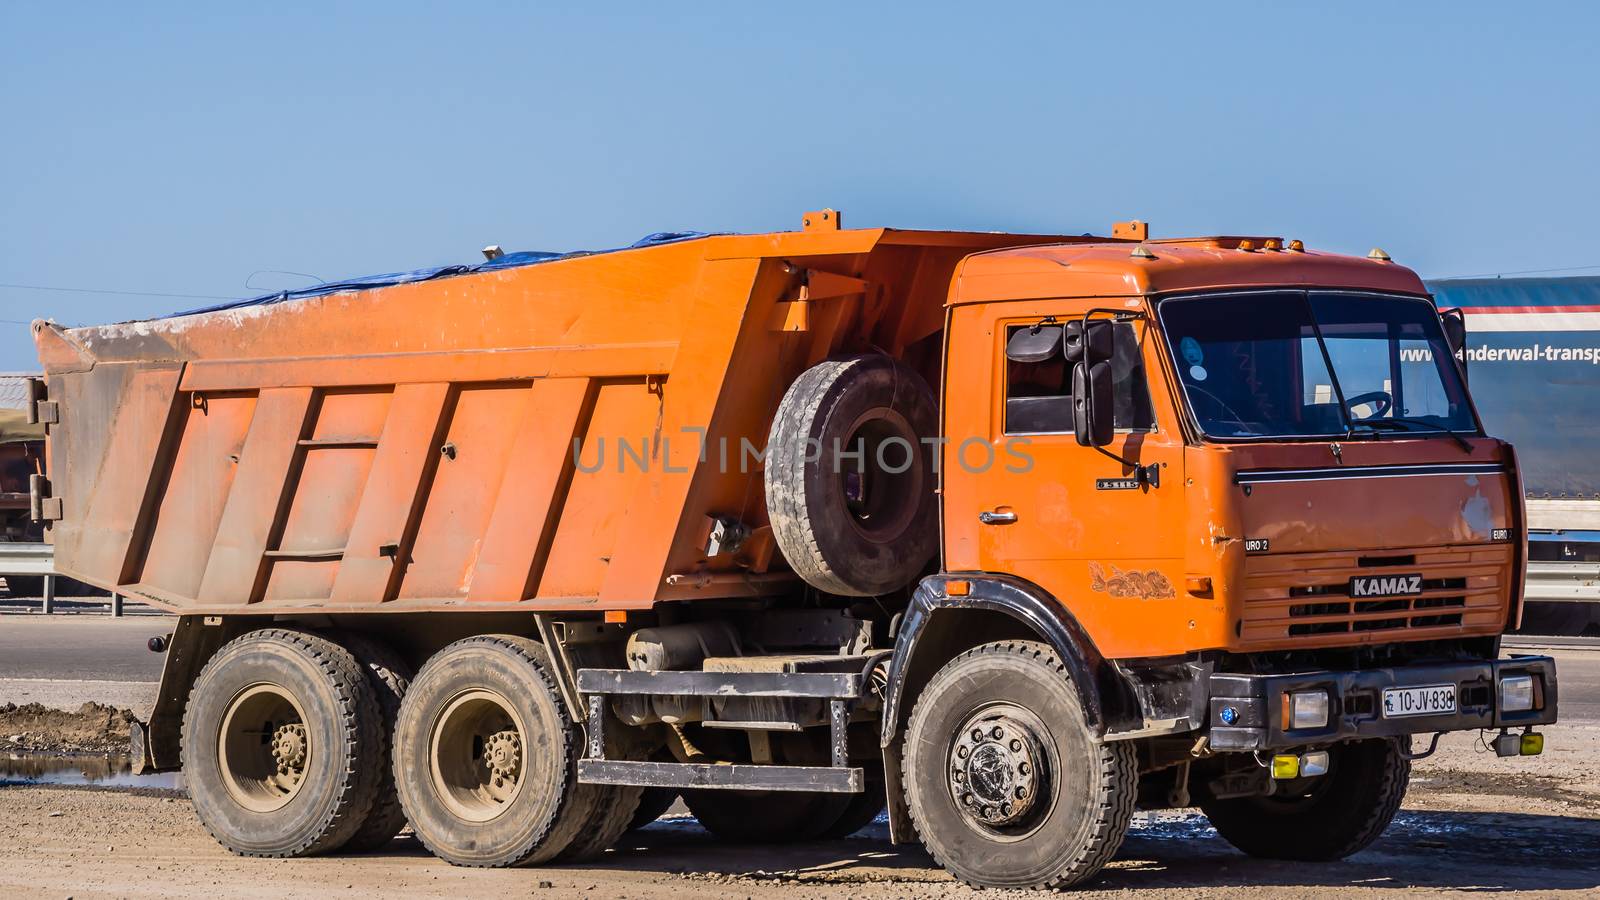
296, 744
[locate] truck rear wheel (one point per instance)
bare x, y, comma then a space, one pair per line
281, 744
389, 676
485, 757
863, 524
1323, 818
1006, 786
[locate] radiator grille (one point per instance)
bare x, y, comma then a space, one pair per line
1305, 596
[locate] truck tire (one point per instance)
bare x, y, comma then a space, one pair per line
389, 676
1005, 783
653, 804
485, 756
282, 744
765, 817
854, 527
612, 816
1331, 816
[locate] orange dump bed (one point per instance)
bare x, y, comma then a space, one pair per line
412, 447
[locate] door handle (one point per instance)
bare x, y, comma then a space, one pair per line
996, 517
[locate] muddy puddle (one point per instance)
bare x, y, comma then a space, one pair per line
90, 771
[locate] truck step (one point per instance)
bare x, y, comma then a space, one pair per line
830, 685
825, 779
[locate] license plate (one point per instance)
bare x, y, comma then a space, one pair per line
1433, 700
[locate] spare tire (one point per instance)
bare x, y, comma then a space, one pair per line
849, 476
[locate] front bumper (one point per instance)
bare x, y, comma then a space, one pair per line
1355, 703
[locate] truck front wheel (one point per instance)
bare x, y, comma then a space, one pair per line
1006, 785
1323, 818
282, 744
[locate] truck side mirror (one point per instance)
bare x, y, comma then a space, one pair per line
1095, 344
1454, 323
1034, 345
1091, 403
1088, 348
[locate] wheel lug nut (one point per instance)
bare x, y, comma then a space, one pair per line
1020, 793
977, 734
1005, 809
967, 799
961, 778
997, 733
962, 752
1022, 768
1016, 745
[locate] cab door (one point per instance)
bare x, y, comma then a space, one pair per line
1073, 520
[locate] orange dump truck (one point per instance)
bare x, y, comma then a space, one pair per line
1009, 533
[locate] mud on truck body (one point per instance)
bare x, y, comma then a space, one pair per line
1011, 534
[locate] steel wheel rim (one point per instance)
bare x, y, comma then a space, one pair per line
477, 755
264, 748
1001, 771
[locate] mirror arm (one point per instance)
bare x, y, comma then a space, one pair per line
1150, 474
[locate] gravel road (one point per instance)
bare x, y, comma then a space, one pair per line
1471, 823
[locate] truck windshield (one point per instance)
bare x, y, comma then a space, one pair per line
1258, 365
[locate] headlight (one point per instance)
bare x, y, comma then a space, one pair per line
1308, 709
1516, 693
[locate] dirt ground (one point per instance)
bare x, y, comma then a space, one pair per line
1472, 823
92, 728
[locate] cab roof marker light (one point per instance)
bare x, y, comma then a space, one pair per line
1378, 254
1247, 246
1297, 246
1141, 252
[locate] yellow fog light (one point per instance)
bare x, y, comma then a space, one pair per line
1532, 743
1285, 766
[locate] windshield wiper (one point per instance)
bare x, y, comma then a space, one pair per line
1380, 424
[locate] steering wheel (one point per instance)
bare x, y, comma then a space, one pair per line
1222, 404
1382, 400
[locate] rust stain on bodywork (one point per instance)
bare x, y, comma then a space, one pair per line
1151, 585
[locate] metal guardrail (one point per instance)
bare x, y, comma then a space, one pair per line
26, 559
39, 560
1563, 582
1548, 642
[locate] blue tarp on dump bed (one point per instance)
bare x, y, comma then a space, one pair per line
1533, 359
507, 261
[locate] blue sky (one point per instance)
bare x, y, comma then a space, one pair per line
180, 150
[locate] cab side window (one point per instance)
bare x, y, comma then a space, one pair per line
1039, 381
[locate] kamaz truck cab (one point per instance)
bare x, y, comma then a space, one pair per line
1247, 494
